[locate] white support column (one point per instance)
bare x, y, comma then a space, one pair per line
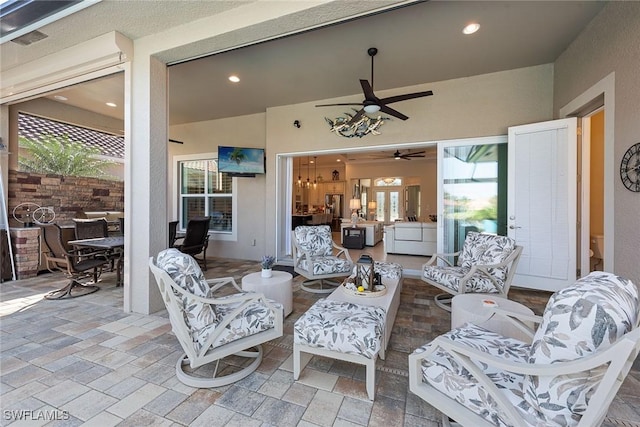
145, 182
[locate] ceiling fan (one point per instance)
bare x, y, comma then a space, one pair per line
373, 104
407, 156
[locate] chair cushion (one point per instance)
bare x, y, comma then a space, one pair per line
315, 240
483, 249
444, 372
450, 277
326, 265
185, 272
254, 318
341, 326
389, 270
579, 320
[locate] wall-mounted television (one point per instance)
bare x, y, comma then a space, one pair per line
241, 161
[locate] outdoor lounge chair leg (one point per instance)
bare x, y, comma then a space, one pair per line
68, 291
443, 301
213, 381
321, 289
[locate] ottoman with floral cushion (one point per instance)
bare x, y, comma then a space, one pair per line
350, 328
340, 330
582, 350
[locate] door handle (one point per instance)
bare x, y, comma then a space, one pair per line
513, 227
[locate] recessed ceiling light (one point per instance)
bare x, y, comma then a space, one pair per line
471, 28
338, 160
111, 104
234, 79
60, 98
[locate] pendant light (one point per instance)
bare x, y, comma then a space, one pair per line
315, 172
308, 182
299, 172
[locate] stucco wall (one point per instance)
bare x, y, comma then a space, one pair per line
611, 43
476, 106
204, 137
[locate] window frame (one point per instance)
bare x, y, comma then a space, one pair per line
177, 196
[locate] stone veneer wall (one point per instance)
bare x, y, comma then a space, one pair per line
26, 251
66, 195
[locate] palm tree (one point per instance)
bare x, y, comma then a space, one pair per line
237, 155
61, 156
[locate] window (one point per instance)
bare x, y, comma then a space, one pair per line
203, 191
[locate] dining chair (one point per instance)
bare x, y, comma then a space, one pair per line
196, 239
95, 229
76, 264
173, 228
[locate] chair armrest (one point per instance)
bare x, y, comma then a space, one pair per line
518, 320
218, 283
484, 270
342, 251
442, 256
463, 352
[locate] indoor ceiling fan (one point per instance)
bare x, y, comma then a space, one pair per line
373, 104
407, 156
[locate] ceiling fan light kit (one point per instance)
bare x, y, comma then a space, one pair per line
372, 104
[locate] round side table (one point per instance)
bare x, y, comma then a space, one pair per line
277, 287
472, 308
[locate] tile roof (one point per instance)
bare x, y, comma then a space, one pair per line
34, 127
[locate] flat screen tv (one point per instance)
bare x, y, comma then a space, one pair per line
241, 161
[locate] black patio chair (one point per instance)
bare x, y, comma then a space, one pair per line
196, 239
95, 229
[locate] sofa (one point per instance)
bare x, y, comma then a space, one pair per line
410, 238
373, 236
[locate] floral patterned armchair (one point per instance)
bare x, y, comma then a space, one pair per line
212, 321
486, 264
314, 258
586, 342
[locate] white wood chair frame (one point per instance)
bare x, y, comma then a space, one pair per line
315, 278
620, 357
196, 358
444, 300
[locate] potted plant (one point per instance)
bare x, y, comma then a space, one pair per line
266, 264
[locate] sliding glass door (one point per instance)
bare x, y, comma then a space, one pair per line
472, 194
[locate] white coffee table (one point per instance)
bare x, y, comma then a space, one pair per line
277, 287
477, 309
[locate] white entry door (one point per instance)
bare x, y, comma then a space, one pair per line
542, 202
388, 205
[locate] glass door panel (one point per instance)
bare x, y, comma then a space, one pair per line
388, 205
472, 192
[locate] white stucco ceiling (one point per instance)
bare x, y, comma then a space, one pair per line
417, 44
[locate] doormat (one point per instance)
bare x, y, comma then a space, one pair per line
286, 268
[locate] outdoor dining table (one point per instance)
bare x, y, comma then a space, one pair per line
114, 243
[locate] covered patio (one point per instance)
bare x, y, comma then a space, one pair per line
86, 361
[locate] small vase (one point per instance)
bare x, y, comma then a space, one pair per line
266, 272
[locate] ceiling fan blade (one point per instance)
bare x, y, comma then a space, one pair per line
404, 97
390, 111
368, 91
356, 117
346, 103
416, 154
